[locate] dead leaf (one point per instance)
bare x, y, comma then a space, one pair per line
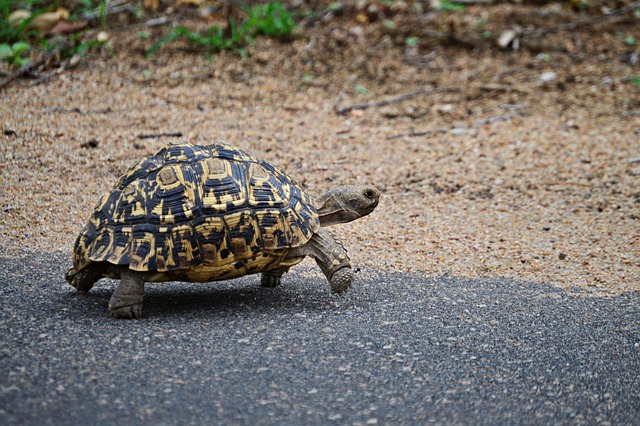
151, 4
66, 28
17, 16
45, 22
362, 18
214, 16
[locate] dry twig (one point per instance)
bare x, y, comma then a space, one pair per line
490, 120
159, 135
155, 22
614, 14
453, 38
422, 92
110, 9
420, 133
420, 61
31, 68
504, 88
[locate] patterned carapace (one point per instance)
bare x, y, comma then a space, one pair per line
204, 213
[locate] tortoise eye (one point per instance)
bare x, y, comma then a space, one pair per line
368, 193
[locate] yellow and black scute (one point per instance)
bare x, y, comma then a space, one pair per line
198, 213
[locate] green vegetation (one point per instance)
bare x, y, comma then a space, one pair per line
361, 89
212, 39
13, 53
14, 38
10, 34
412, 41
80, 47
449, 5
545, 57
627, 39
18, 39
271, 19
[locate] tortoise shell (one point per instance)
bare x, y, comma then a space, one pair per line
203, 213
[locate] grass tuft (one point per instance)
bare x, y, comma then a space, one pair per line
271, 19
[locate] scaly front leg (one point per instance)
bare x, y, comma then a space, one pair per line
332, 258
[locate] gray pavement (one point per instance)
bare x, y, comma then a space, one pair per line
394, 350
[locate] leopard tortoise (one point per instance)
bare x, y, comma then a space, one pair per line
208, 213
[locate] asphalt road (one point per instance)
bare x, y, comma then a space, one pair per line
394, 350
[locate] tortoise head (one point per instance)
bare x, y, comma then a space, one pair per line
346, 203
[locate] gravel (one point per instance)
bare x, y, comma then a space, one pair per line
396, 349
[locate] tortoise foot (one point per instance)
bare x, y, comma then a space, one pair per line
341, 280
127, 312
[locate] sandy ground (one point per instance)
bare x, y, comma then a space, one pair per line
530, 169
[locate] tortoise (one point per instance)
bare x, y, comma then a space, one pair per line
207, 213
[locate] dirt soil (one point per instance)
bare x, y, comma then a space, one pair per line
525, 165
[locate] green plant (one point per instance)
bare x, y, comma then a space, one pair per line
72, 46
102, 16
212, 39
80, 48
11, 33
449, 5
271, 19
82, 7
13, 53
412, 41
545, 57
635, 80
361, 89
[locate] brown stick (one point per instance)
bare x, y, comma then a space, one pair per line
420, 133
30, 68
159, 135
476, 123
453, 38
490, 120
585, 23
422, 92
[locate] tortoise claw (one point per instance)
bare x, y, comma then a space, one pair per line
127, 312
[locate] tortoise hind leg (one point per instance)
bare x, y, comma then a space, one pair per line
126, 301
84, 280
331, 257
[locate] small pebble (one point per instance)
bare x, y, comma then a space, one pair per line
547, 77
